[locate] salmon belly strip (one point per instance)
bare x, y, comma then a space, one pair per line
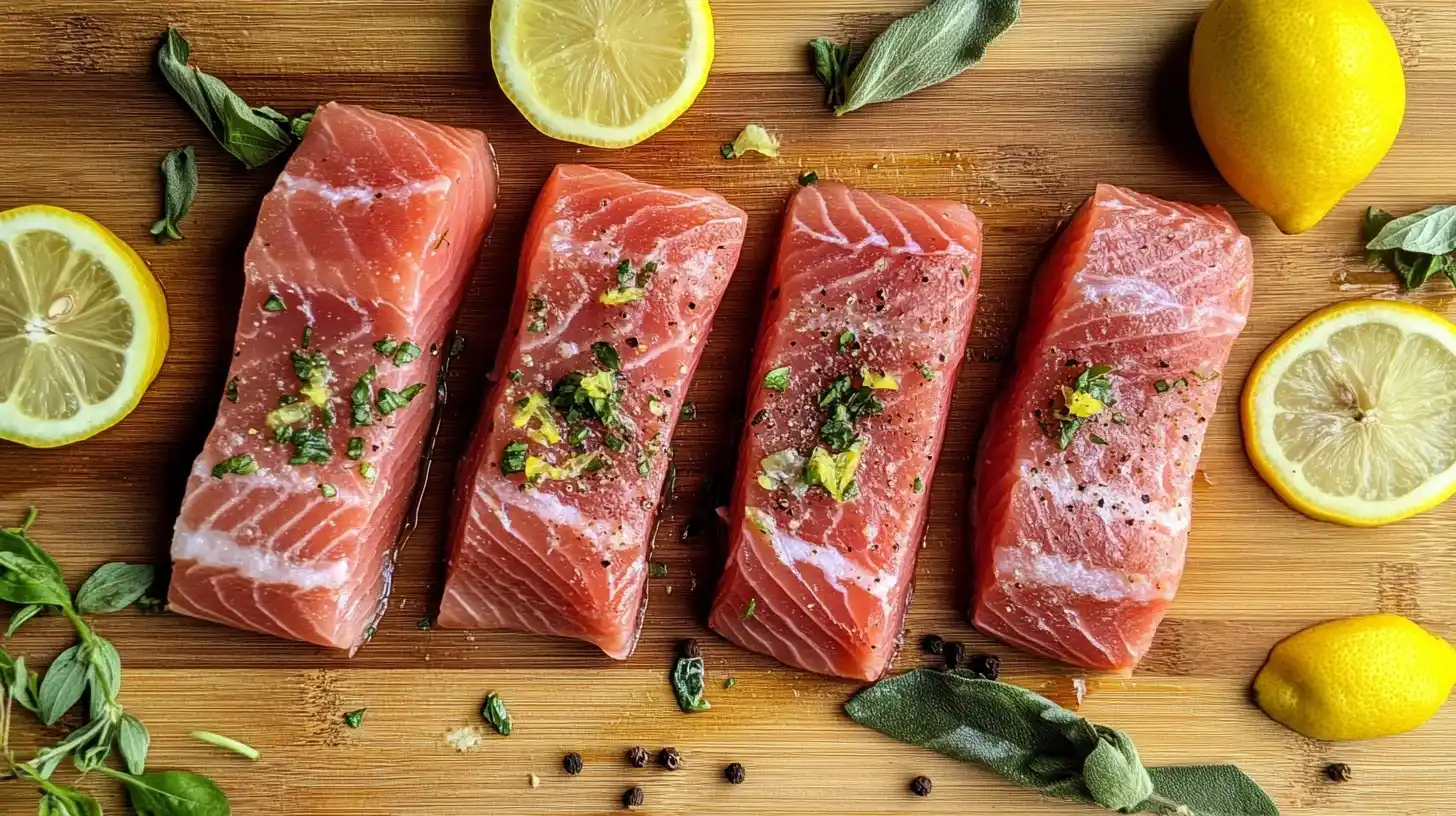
369, 236
868, 291
557, 495
1078, 550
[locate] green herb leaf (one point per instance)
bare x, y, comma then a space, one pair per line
606, 355
777, 379
390, 401
26, 579
228, 743
688, 411
298, 125
114, 587
751, 610
808, 177
231, 391
252, 135
179, 187
926, 48
328, 491
689, 676
918, 485
513, 460
408, 352
65, 801
386, 346
355, 718
241, 464
172, 793
63, 684
848, 341
18, 620
656, 569
494, 712
274, 304
831, 63
1035, 743
1431, 231
134, 741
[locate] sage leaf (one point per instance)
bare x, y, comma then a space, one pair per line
689, 676
113, 587
172, 793
68, 802
1431, 231
831, 63
179, 187
494, 712
134, 741
22, 615
254, 136
62, 685
1205, 790
1029, 740
926, 48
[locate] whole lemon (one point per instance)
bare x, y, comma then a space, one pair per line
1356, 678
1296, 100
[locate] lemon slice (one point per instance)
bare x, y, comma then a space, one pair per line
83, 327
607, 73
1348, 416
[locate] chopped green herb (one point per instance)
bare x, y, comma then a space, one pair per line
288, 399
777, 379
1180, 383
514, 459
606, 355
368, 471
925, 371
537, 325
310, 446
537, 308
328, 490
918, 485
808, 177
689, 678
578, 435
631, 286
242, 464
387, 346
408, 352
354, 718
356, 448
688, 412
644, 464
751, 610
312, 369
656, 569
625, 276
580, 395
494, 712
424, 624
1161, 386
613, 442
390, 401
231, 391
1089, 394
848, 341
1119, 419
1096, 440
273, 304
515, 375
729, 683
361, 399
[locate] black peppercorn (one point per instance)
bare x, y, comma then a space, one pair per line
1338, 772
734, 773
669, 758
953, 653
920, 786
633, 797
933, 644
691, 649
986, 666
637, 757
571, 763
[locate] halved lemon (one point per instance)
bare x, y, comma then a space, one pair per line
83, 327
1349, 415
607, 73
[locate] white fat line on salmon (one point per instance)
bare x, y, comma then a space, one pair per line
220, 550
337, 195
1030, 564
546, 507
840, 571
1113, 506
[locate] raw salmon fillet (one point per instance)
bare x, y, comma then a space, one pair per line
867, 290
1079, 550
556, 498
365, 244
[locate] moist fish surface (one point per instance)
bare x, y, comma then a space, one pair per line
869, 308
557, 496
360, 257
1084, 477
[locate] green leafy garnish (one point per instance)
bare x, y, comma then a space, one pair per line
918, 485
926, 371
390, 401
848, 341
355, 450
368, 472
113, 587
273, 304
408, 352
689, 677
834, 471
255, 136
494, 712
513, 460
231, 391
179, 188
631, 284
656, 569
607, 355
240, 464
926, 48
1033, 742
808, 177
688, 411
386, 346
515, 375
1088, 396
355, 718
777, 379
751, 611
1417, 247
587, 395
361, 399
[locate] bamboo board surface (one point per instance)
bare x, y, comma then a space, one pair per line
1077, 93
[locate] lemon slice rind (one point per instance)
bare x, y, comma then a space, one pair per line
1260, 410
517, 81
143, 355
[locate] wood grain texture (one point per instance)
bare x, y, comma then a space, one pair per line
1077, 93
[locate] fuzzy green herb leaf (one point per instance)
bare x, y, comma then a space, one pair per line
606, 355
689, 675
134, 741
1033, 742
1409, 246
831, 63
114, 587
494, 712
179, 187
926, 48
18, 620
63, 684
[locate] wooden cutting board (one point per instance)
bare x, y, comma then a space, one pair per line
1079, 92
